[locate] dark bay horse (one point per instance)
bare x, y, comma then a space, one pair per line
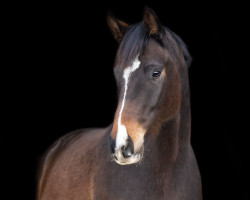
146, 152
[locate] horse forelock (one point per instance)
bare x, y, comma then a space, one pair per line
136, 39
132, 45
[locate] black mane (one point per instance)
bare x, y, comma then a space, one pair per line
133, 43
136, 38
182, 45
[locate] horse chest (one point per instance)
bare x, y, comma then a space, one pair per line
131, 182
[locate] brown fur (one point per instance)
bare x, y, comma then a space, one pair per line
80, 166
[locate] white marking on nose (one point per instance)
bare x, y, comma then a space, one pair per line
122, 134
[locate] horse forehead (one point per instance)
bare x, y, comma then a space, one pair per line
153, 51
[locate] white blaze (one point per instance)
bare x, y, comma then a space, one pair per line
122, 134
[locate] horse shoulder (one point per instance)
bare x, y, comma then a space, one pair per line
66, 151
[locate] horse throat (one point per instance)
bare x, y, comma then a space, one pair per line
172, 139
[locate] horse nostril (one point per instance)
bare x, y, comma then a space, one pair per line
128, 150
112, 145
112, 149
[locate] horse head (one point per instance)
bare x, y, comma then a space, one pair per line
147, 70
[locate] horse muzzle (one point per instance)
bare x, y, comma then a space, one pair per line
125, 155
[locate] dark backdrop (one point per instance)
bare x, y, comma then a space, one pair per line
62, 80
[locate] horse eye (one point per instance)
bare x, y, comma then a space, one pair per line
156, 74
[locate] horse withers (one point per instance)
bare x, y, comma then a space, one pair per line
146, 152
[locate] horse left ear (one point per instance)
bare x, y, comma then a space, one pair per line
117, 27
152, 22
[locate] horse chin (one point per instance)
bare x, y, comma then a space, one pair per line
128, 161
135, 158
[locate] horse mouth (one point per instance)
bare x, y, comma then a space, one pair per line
133, 159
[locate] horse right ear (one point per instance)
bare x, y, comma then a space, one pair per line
117, 27
152, 22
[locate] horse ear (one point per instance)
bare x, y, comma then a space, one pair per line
117, 27
152, 22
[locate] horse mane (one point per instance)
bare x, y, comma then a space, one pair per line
133, 43
137, 37
182, 45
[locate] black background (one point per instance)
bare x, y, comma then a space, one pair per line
59, 78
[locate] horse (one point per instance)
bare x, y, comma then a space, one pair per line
146, 152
